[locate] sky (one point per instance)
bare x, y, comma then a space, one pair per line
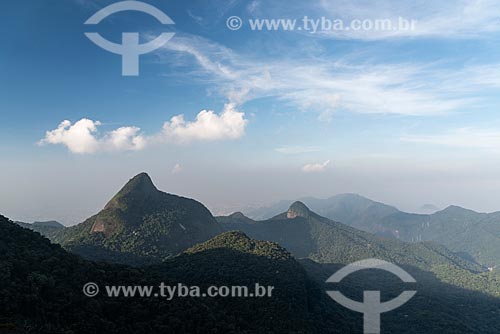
237, 116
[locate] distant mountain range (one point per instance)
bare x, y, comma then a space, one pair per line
127, 229
346, 208
173, 239
42, 283
142, 225
308, 235
48, 228
474, 235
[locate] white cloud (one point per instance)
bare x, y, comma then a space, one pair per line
325, 86
83, 137
125, 139
297, 149
332, 103
315, 167
473, 138
435, 19
230, 124
177, 169
78, 137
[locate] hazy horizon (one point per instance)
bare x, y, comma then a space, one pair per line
69, 216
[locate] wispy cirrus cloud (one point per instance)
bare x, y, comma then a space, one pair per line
325, 86
435, 19
297, 149
468, 138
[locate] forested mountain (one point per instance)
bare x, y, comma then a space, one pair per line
437, 306
140, 222
42, 284
176, 240
475, 235
48, 228
306, 234
350, 209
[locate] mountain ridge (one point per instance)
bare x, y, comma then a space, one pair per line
309, 235
474, 234
42, 291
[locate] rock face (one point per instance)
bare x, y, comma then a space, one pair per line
298, 209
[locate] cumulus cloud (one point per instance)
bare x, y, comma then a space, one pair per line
315, 167
78, 137
230, 124
125, 139
83, 136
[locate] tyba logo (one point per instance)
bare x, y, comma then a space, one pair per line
371, 307
130, 49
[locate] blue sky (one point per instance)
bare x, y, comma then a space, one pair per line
239, 118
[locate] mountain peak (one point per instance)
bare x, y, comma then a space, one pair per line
298, 209
50, 224
238, 215
454, 209
141, 220
240, 242
139, 187
141, 180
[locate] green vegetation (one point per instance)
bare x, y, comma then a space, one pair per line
174, 240
41, 291
138, 222
437, 307
308, 235
49, 229
237, 241
350, 209
487, 282
474, 235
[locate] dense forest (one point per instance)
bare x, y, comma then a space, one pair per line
42, 290
472, 234
42, 293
